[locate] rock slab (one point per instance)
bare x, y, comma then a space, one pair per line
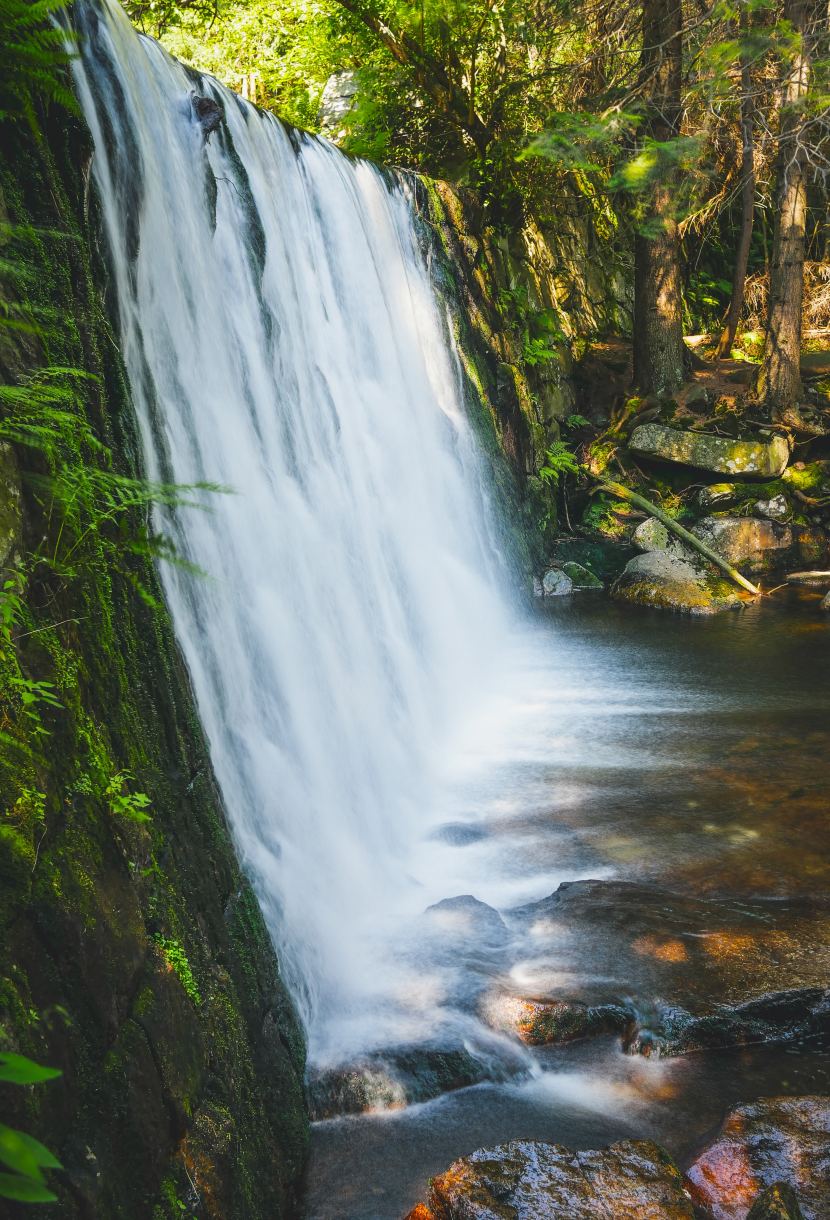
529, 1180
747, 459
665, 581
751, 544
774, 1140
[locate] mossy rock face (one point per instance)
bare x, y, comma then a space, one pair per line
133, 957
665, 582
745, 459
580, 577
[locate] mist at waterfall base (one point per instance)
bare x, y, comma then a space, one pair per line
283, 339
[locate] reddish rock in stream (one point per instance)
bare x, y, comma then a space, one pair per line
775, 1140
528, 1180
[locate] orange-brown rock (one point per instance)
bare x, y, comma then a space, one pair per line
420, 1212
528, 1180
775, 1140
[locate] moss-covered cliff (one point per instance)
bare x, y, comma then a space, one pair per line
520, 306
133, 954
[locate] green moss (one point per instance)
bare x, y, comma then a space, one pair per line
87, 894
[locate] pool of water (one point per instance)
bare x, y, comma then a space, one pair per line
627, 745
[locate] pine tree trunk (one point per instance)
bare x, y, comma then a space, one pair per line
747, 199
658, 300
779, 385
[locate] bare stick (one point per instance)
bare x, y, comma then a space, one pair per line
616, 489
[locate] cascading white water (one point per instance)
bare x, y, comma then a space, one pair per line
282, 338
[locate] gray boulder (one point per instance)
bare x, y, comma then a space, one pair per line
825, 602
652, 535
556, 583
749, 459
667, 582
775, 509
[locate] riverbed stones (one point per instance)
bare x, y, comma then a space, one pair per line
664, 581
530, 1180
699, 974
556, 583
780, 1139
748, 459
752, 544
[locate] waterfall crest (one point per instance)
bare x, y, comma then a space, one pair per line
282, 338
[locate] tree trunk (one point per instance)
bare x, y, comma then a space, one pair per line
779, 384
658, 303
748, 199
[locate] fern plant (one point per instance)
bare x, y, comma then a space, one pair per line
559, 460
34, 50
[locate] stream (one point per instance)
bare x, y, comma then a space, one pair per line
691, 754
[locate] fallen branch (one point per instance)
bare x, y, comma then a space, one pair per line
616, 489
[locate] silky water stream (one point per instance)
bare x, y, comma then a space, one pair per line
391, 725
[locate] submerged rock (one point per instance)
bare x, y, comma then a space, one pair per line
580, 577
772, 1141
529, 1180
808, 578
389, 1080
751, 544
556, 583
540, 1023
698, 974
750, 459
664, 581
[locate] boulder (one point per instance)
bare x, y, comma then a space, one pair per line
556, 583
652, 535
752, 544
580, 577
697, 397
771, 1141
777, 1202
718, 496
825, 602
667, 582
775, 509
529, 1180
815, 364
749, 459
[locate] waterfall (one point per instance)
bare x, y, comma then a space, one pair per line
283, 339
